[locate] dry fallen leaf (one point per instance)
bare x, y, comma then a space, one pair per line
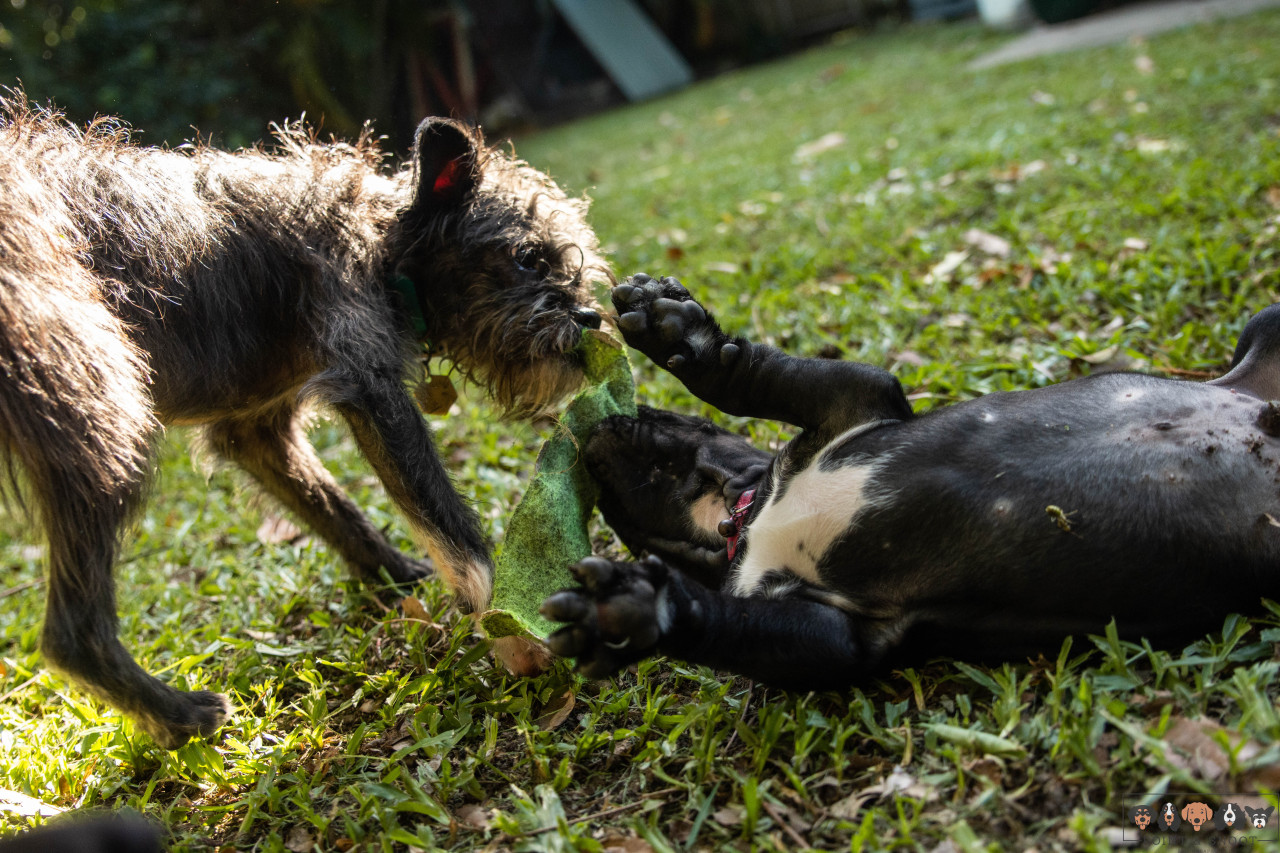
299, 840
1196, 749
730, 815
473, 816
726, 267
821, 145
18, 803
556, 711
989, 243
614, 843
1102, 356
413, 608
848, 807
276, 530
944, 268
987, 768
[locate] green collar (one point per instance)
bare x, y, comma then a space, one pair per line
404, 285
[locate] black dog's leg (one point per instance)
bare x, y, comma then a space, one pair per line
105, 833
661, 319
273, 448
397, 442
625, 612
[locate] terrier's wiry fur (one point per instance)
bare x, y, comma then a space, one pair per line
142, 287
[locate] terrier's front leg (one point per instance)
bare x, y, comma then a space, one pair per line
661, 319
396, 440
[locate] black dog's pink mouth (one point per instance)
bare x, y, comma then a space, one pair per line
667, 483
731, 528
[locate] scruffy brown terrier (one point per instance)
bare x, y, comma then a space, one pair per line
141, 287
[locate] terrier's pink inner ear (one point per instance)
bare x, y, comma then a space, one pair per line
446, 182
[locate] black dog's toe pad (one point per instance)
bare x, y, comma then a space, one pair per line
612, 617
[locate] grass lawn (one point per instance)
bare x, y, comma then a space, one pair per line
872, 198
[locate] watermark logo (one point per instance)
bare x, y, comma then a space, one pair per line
1228, 821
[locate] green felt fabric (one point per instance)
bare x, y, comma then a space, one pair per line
548, 530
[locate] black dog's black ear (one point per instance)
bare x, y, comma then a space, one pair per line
447, 157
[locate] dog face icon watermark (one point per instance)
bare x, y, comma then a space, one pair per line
1258, 818
1241, 822
1197, 815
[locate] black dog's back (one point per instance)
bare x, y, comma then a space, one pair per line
1049, 511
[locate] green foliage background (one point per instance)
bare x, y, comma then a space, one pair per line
226, 67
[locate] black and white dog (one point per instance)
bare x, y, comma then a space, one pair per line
993, 527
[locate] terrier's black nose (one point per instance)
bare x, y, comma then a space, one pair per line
586, 317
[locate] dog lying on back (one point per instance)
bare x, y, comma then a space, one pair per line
141, 287
993, 527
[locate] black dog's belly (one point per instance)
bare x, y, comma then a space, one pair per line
1119, 495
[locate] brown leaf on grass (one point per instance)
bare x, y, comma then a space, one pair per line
473, 816
615, 843
848, 807
1198, 750
1273, 196
910, 357
988, 768
413, 608
1153, 703
898, 782
299, 840
731, 815
556, 711
1194, 748
1266, 777
276, 530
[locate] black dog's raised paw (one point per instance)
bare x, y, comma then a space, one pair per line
661, 319
613, 616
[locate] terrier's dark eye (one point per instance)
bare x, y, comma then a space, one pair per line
529, 259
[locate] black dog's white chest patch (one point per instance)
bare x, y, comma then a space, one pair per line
803, 518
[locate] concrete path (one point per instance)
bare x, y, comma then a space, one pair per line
1117, 25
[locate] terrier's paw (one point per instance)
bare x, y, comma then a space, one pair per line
197, 714
613, 616
660, 318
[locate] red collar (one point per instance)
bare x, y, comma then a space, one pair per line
739, 517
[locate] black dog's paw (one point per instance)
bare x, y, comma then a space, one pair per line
661, 319
613, 616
